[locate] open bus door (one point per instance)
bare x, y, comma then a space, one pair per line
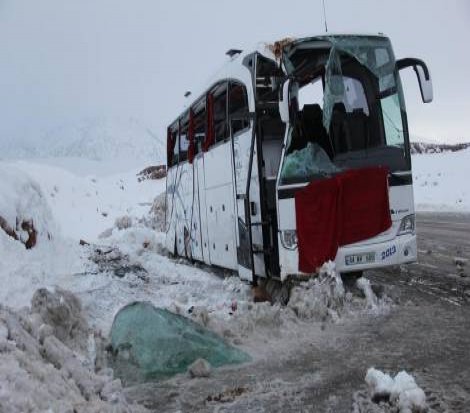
243, 149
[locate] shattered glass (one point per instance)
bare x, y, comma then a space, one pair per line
153, 343
304, 163
374, 54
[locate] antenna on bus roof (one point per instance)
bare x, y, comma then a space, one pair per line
187, 94
324, 16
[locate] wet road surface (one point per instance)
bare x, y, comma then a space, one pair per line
426, 332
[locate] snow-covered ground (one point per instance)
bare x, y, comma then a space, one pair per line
74, 198
441, 181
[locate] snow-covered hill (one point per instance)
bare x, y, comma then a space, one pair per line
92, 139
441, 181
426, 147
85, 205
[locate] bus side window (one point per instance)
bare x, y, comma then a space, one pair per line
184, 138
220, 112
174, 155
238, 107
199, 126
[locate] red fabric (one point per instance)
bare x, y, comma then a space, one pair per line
210, 135
365, 209
350, 207
317, 226
192, 145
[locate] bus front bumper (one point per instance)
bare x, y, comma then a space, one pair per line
401, 250
358, 257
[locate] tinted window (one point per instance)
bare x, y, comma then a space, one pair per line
199, 125
174, 137
220, 113
238, 107
184, 138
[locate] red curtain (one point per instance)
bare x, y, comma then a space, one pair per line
191, 132
350, 207
210, 132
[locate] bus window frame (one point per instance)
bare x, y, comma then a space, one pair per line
199, 109
213, 90
244, 115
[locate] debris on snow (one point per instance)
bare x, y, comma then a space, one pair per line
113, 260
152, 343
200, 368
152, 172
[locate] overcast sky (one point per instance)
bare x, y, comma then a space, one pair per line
62, 61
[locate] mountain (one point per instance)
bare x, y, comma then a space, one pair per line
93, 139
423, 147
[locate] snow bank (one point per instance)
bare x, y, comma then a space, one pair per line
40, 366
401, 391
23, 207
85, 205
440, 181
319, 298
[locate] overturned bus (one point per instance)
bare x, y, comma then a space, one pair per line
295, 154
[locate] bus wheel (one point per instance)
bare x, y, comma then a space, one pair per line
350, 278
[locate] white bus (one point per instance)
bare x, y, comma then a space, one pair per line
277, 124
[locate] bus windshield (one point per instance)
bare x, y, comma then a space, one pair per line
347, 108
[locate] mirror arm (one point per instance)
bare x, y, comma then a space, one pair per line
412, 61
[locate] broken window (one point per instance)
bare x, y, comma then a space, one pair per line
346, 100
153, 343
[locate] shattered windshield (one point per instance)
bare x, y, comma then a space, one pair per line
357, 119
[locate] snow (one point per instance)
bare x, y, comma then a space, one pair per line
40, 372
95, 139
85, 206
73, 199
23, 200
441, 181
401, 391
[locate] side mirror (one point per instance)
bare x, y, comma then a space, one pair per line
284, 101
422, 72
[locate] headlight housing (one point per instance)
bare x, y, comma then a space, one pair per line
289, 239
407, 225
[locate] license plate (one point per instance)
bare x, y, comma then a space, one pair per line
355, 259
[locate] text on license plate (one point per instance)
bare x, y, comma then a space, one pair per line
355, 259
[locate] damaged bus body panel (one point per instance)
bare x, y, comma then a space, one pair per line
276, 123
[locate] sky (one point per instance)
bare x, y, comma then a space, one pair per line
64, 61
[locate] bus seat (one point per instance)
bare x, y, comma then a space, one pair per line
312, 126
338, 132
357, 129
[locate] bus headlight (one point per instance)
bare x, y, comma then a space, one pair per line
407, 225
289, 239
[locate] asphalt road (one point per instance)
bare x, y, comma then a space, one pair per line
426, 332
